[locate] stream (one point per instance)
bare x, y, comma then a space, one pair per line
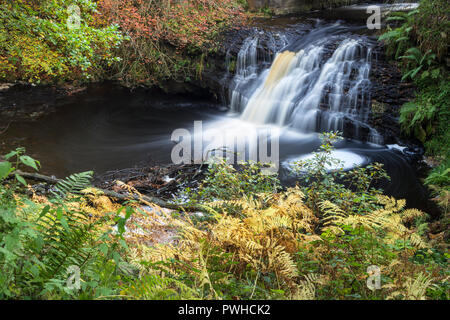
297, 84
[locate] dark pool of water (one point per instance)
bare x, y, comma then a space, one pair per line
107, 129
114, 129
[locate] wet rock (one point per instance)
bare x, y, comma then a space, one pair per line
388, 94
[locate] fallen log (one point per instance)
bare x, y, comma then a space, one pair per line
124, 197
37, 177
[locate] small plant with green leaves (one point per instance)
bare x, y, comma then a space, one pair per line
224, 181
417, 62
13, 160
398, 39
322, 178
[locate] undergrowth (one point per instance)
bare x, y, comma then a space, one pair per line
167, 40
418, 42
37, 45
133, 41
251, 239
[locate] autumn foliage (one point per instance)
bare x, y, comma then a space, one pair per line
167, 38
192, 23
36, 44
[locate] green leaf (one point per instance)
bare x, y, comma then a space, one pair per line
123, 244
5, 169
20, 179
395, 19
413, 75
116, 258
104, 248
64, 223
129, 212
30, 162
402, 39
10, 155
59, 213
44, 211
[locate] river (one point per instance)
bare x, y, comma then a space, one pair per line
313, 80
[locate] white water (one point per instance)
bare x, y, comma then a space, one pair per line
247, 69
303, 90
347, 160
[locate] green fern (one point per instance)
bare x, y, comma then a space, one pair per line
418, 62
440, 176
66, 230
73, 184
418, 119
155, 287
67, 235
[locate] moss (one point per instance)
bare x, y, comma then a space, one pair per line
378, 108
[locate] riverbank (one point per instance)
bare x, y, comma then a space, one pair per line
112, 184
124, 242
417, 43
115, 123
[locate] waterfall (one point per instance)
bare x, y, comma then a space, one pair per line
246, 68
288, 78
305, 90
248, 65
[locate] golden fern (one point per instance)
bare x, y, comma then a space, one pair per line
391, 219
306, 289
266, 232
413, 288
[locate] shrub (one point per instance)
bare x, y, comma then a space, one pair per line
167, 40
275, 245
42, 240
224, 181
36, 44
321, 183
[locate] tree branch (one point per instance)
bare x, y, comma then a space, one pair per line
124, 197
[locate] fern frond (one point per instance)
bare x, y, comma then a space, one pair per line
73, 184
155, 287
411, 214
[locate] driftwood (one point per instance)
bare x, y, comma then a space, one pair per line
150, 180
123, 197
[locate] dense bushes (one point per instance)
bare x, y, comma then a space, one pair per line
36, 44
136, 42
42, 241
265, 243
431, 27
420, 46
167, 39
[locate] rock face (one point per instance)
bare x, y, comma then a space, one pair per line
387, 92
296, 6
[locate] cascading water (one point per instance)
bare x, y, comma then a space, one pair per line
305, 90
248, 66
288, 78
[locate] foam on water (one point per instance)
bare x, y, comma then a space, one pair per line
348, 160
